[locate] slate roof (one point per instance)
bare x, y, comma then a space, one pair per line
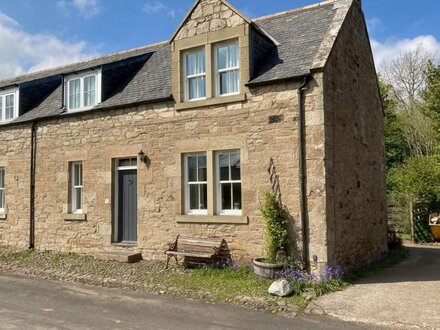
298, 33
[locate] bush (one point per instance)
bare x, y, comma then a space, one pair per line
276, 231
418, 178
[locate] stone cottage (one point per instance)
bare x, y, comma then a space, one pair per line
126, 151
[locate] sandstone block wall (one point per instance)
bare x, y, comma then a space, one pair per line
15, 158
164, 134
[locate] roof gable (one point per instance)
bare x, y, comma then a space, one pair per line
209, 15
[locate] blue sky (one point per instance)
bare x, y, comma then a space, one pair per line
38, 34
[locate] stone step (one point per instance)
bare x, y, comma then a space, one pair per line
120, 256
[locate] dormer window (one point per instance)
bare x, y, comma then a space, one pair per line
227, 60
8, 105
195, 74
83, 91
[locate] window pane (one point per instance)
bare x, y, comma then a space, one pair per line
193, 197
236, 193
229, 82
9, 110
203, 196
235, 166
201, 62
78, 199
191, 64
2, 178
89, 91
74, 94
192, 168
222, 54
77, 177
233, 56
202, 168
1, 108
224, 167
197, 87
226, 196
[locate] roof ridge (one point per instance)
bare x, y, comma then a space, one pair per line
89, 60
308, 7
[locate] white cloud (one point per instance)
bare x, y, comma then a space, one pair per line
22, 52
157, 7
374, 24
86, 8
383, 51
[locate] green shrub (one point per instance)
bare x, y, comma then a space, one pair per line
276, 232
418, 178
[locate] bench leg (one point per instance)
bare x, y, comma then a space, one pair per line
168, 259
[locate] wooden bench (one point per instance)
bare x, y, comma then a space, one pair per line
196, 250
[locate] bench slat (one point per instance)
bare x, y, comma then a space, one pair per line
197, 242
188, 254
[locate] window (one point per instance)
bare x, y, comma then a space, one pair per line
195, 75
83, 91
196, 184
8, 105
228, 183
76, 179
2, 190
227, 68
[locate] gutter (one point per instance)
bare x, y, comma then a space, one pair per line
303, 173
32, 185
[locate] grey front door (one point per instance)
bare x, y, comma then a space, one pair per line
127, 206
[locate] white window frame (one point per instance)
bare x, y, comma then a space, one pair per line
218, 71
76, 209
188, 210
3, 95
2, 202
220, 211
81, 77
198, 75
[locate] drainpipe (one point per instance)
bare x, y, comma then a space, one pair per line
32, 186
303, 173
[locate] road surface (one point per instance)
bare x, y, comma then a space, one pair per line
28, 303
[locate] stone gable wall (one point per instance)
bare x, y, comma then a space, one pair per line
209, 16
355, 171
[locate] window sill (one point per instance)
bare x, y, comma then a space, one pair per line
75, 217
3, 216
211, 101
213, 219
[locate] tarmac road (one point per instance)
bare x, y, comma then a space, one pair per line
29, 303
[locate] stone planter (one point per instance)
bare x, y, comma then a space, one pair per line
266, 270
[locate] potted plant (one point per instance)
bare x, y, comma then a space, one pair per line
276, 238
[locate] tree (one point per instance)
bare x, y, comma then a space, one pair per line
431, 98
396, 148
407, 75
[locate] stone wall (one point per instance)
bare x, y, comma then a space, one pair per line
209, 16
355, 171
164, 134
15, 158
